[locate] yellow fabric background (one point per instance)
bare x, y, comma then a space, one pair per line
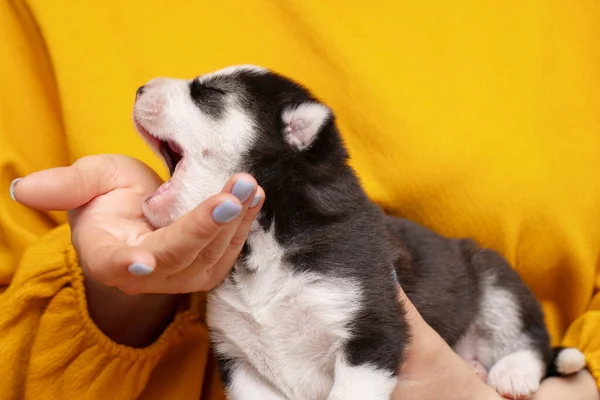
474, 118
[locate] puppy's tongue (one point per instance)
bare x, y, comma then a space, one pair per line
160, 199
174, 147
162, 188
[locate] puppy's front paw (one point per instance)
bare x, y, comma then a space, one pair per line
517, 376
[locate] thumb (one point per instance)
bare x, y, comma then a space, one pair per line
425, 342
66, 188
412, 315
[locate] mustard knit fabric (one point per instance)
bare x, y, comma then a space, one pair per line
477, 119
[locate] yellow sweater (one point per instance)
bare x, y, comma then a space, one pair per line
474, 118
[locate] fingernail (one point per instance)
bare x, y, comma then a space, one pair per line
140, 269
226, 211
255, 200
13, 184
242, 189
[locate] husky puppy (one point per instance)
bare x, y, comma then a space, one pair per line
310, 309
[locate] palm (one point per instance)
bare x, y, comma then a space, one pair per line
118, 213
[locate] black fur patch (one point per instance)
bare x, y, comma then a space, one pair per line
210, 99
322, 217
327, 225
226, 367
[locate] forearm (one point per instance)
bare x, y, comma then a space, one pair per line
131, 320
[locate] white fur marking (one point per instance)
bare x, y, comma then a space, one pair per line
302, 124
288, 326
518, 375
570, 361
498, 327
246, 384
361, 382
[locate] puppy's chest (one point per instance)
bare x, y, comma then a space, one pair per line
288, 326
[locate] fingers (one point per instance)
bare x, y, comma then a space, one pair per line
204, 232
430, 366
204, 274
239, 238
65, 188
177, 245
213, 231
208, 237
424, 341
412, 314
228, 243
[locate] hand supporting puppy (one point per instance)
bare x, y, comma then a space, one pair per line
432, 370
581, 386
117, 248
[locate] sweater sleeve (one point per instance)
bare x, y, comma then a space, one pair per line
52, 349
584, 334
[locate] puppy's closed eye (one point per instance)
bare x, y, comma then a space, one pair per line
201, 90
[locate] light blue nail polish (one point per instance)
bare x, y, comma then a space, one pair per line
242, 189
11, 190
226, 211
140, 269
255, 200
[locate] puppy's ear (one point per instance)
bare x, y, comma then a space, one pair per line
303, 122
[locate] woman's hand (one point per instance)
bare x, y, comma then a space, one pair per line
432, 370
117, 248
116, 245
581, 386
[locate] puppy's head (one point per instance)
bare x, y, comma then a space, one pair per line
233, 120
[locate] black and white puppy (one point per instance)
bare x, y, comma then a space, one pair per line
310, 309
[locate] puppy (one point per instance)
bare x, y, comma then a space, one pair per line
310, 309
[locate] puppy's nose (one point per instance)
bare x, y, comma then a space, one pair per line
139, 92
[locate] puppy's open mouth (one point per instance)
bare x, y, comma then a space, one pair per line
174, 158
170, 151
172, 154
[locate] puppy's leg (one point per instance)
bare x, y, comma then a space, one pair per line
510, 351
509, 331
244, 383
361, 382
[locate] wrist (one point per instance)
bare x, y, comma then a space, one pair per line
131, 320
